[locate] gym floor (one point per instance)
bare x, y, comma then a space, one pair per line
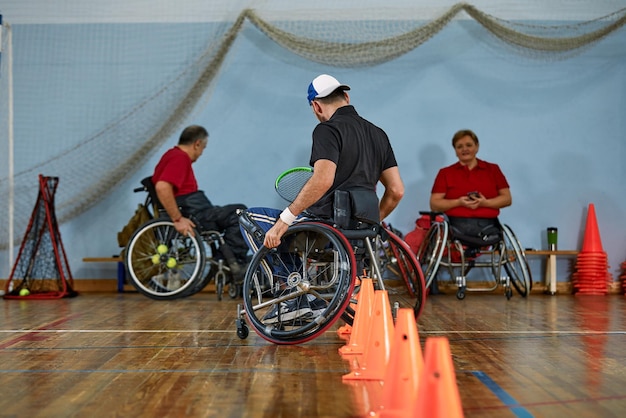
111, 354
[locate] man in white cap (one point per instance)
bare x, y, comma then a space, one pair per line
349, 154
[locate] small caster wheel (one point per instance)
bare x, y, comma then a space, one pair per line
235, 290
232, 291
509, 294
242, 330
460, 295
219, 289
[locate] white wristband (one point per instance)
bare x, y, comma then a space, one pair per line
287, 217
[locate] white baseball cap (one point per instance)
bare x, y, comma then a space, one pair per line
323, 85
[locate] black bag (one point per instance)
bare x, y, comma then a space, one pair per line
141, 216
478, 232
355, 207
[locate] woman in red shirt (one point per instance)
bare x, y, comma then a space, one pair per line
469, 188
471, 193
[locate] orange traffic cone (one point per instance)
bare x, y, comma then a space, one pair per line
373, 363
591, 276
361, 321
345, 330
365, 396
404, 368
591, 241
438, 394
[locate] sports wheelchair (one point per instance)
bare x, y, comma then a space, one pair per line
163, 264
295, 292
502, 253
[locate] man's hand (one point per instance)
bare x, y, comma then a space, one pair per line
185, 226
272, 237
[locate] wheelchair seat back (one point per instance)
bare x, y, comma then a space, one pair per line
357, 215
152, 200
355, 209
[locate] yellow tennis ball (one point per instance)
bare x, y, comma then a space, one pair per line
24, 292
162, 249
171, 262
156, 259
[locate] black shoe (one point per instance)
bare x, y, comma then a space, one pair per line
318, 306
238, 272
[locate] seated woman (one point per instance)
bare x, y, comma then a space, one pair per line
471, 192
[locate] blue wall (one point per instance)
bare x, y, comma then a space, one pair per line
556, 128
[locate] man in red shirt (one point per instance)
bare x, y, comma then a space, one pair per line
177, 190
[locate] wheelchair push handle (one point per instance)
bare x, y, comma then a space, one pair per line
250, 225
431, 215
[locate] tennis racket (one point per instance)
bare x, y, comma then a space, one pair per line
290, 182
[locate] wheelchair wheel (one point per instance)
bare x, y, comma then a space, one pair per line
163, 264
431, 250
298, 290
212, 257
409, 269
516, 264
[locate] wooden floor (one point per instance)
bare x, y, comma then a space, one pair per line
124, 355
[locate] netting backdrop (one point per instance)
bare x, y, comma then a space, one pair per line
106, 118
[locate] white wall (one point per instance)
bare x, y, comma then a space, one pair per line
556, 128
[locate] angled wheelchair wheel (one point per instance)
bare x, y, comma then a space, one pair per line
163, 264
408, 268
295, 292
210, 267
431, 250
516, 264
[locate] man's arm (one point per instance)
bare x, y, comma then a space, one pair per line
313, 190
394, 191
165, 193
322, 179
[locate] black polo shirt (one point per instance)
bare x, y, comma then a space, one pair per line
360, 149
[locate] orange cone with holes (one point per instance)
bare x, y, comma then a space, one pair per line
591, 276
361, 321
405, 366
373, 363
438, 394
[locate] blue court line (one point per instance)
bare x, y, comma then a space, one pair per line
507, 399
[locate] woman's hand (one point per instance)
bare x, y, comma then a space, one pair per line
473, 202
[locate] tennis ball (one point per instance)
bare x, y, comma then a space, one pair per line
162, 249
171, 262
156, 259
24, 292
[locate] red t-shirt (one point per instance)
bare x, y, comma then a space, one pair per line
457, 180
175, 168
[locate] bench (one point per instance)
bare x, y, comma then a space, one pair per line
551, 264
121, 268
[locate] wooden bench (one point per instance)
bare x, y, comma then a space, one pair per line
121, 268
551, 264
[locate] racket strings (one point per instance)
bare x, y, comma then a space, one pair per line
290, 185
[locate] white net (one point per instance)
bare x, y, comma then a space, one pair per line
107, 118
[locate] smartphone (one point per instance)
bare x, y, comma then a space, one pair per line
473, 195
